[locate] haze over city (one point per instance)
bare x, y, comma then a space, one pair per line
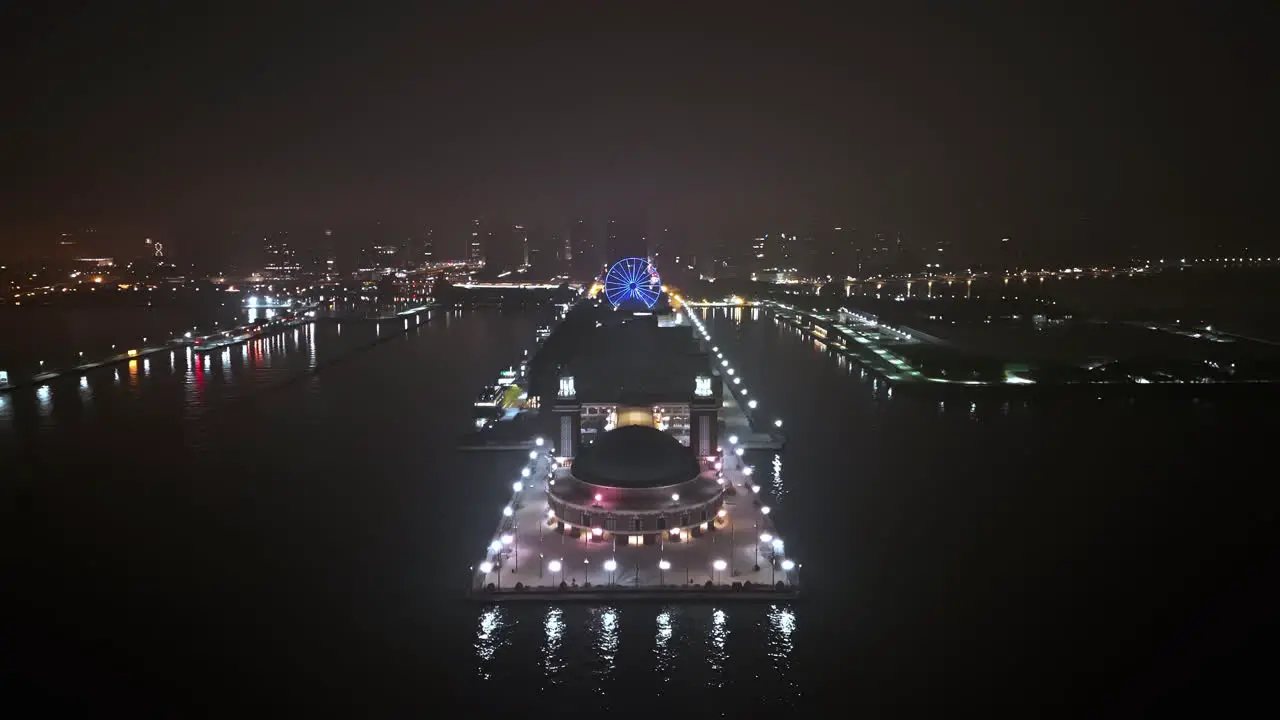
1105, 132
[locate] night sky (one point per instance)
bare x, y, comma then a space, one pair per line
1055, 124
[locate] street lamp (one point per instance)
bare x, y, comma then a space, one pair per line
733, 439
663, 566
507, 511
777, 423
748, 470
556, 567
495, 546
719, 565
538, 441
525, 472
675, 497
533, 454
738, 451
517, 486
764, 510
486, 567
507, 539
611, 566
752, 404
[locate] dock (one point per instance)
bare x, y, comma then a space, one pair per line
530, 561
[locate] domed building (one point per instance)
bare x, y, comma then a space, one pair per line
638, 483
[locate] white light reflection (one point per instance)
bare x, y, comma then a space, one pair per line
553, 661
782, 625
44, 400
717, 657
493, 633
662, 655
775, 479
605, 645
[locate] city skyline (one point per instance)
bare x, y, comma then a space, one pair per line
1057, 130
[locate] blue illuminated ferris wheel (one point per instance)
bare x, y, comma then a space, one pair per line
632, 279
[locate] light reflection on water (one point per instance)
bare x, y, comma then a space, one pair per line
493, 633
717, 652
604, 646
782, 625
553, 659
662, 646
777, 488
44, 400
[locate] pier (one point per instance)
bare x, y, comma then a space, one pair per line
739, 557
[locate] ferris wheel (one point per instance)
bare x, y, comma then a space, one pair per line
632, 279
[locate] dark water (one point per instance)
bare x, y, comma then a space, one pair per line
288, 528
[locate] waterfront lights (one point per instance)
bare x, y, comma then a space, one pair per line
599, 497
788, 564
755, 488
533, 454
724, 363
738, 451
525, 472
508, 539
748, 470
495, 546
730, 371
554, 566
486, 567
777, 423
752, 404
675, 497
507, 511
538, 441
517, 486
764, 510
737, 380
664, 565
719, 565
610, 565
766, 538
715, 349
733, 439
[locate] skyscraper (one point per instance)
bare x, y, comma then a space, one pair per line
280, 257
475, 244
429, 247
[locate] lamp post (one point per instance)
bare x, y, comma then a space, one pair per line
611, 566
663, 567
719, 566
555, 566
586, 571
788, 565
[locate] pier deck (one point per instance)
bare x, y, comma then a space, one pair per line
535, 544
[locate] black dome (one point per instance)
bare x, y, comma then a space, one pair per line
635, 456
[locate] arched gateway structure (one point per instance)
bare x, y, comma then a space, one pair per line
639, 485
